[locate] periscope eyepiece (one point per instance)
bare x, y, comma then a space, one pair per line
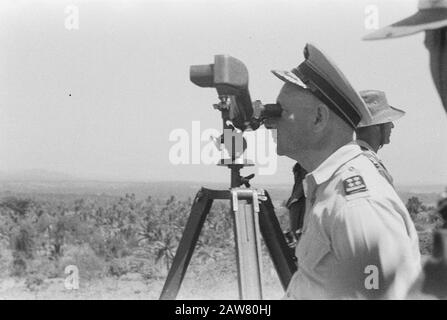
230, 78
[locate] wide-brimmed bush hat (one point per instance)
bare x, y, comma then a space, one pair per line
381, 111
431, 14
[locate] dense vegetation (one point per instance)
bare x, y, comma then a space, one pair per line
115, 236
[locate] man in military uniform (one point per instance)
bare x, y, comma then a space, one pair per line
371, 137
358, 240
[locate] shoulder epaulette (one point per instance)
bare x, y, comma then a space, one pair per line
379, 166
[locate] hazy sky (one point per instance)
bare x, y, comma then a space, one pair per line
127, 71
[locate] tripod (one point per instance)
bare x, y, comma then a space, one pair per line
253, 214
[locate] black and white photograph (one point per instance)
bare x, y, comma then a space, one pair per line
223, 150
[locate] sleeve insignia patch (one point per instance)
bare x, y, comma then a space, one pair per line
354, 184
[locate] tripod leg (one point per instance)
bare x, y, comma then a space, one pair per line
200, 208
275, 242
248, 250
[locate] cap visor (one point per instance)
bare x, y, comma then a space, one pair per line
427, 19
327, 69
289, 77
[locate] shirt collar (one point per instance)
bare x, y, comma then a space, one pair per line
364, 144
329, 166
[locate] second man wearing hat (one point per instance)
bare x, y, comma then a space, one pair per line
372, 136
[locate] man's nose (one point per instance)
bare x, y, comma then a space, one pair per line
392, 125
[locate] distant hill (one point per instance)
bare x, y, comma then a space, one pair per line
33, 182
422, 188
35, 175
179, 189
61, 185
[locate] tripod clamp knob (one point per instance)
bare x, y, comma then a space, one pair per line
246, 180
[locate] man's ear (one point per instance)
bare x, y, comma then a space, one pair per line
321, 117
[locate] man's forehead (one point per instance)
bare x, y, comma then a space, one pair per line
290, 90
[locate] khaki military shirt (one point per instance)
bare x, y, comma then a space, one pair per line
358, 239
